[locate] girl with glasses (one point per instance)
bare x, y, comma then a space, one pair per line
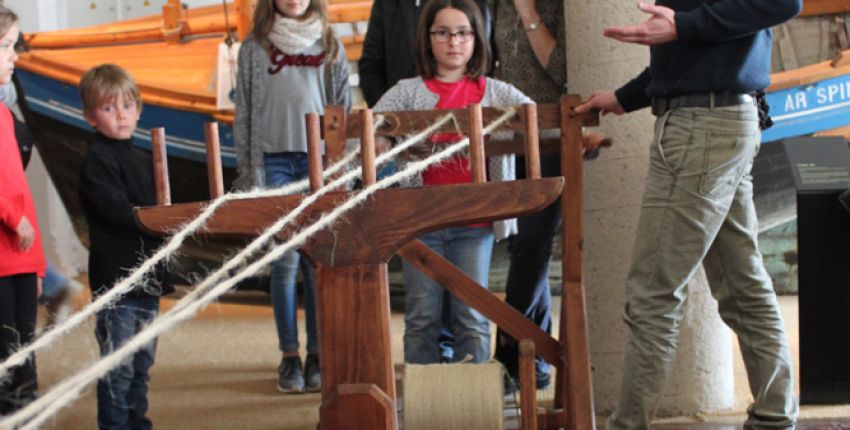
452, 57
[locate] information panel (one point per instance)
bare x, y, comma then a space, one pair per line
819, 163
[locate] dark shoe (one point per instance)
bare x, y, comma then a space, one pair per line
289, 376
312, 376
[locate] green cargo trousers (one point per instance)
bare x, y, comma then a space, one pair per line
698, 207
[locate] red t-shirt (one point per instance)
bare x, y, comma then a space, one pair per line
453, 95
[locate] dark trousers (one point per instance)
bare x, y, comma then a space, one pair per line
527, 288
122, 395
17, 327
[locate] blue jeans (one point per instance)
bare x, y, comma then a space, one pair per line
52, 285
122, 395
470, 249
281, 169
698, 208
527, 287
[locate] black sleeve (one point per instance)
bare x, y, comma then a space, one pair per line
372, 64
723, 20
632, 96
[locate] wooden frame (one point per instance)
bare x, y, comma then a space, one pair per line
358, 381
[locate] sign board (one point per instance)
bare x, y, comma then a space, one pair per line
819, 163
809, 108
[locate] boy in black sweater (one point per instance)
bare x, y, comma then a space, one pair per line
115, 178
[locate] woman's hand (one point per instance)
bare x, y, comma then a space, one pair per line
26, 234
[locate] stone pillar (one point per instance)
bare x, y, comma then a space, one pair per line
702, 378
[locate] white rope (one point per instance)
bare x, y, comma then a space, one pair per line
69, 390
125, 285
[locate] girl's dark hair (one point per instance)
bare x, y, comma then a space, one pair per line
263, 21
426, 64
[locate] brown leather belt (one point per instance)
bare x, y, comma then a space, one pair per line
662, 105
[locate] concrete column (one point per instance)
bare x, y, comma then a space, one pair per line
702, 379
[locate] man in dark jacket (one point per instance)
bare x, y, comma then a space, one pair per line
707, 59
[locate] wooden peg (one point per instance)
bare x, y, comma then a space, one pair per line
367, 147
334, 131
214, 175
314, 151
160, 167
528, 385
476, 144
172, 27
532, 139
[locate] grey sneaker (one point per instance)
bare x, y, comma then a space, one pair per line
311, 373
289, 376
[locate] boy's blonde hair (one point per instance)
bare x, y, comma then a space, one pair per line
104, 83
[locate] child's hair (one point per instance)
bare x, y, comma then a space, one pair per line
106, 82
264, 17
7, 19
426, 65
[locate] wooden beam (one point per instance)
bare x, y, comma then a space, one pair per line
477, 159
528, 385
160, 167
399, 124
214, 174
824, 7
314, 151
474, 295
574, 389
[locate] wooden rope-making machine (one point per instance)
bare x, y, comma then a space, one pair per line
352, 295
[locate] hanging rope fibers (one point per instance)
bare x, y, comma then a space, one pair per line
68, 390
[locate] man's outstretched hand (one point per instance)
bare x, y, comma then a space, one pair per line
659, 28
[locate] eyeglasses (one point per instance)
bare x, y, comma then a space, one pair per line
444, 36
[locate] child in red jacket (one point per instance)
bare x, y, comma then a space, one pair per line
21, 257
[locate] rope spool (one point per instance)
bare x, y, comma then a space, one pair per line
453, 396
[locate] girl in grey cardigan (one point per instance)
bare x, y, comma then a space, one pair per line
289, 66
452, 57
